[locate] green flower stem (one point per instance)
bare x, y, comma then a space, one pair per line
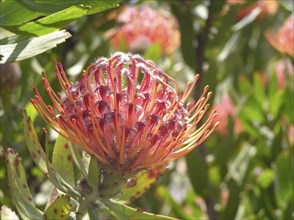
111, 184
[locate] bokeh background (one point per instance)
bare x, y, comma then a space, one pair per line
244, 50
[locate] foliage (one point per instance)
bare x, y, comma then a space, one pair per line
244, 170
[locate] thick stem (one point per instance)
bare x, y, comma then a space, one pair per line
111, 183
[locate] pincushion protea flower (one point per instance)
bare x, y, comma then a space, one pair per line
127, 113
283, 41
143, 26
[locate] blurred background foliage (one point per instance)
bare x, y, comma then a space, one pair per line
239, 48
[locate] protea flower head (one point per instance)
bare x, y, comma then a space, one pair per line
127, 113
143, 26
283, 41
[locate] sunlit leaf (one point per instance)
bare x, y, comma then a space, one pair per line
229, 47
135, 187
13, 13
50, 23
266, 178
62, 160
247, 19
122, 211
59, 209
51, 6
58, 180
26, 47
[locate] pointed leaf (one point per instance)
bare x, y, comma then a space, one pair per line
21, 195
135, 187
77, 158
50, 23
197, 172
247, 19
59, 209
229, 47
58, 180
94, 173
283, 181
122, 211
62, 160
26, 47
33, 143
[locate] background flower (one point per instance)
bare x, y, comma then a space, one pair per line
283, 41
142, 26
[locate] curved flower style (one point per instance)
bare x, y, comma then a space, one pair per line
127, 113
283, 41
143, 26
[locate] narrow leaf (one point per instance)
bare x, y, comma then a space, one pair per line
247, 19
93, 174
122, 211
21, 195
33, 143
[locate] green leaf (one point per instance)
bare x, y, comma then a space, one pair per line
62, 160
240, 164
153, 52
50, 23
26, 47
176, 208
16, 13
197, 172
94, 173
135, 187
122, 211
21, 195
57, 180
13, 13
266, 178
77, 158
185, 19
283, 181
51, 6
59, 209
33, 143
259, 89
233, 201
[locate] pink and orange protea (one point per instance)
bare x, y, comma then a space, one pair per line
127, 113
143, 26
283, 41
